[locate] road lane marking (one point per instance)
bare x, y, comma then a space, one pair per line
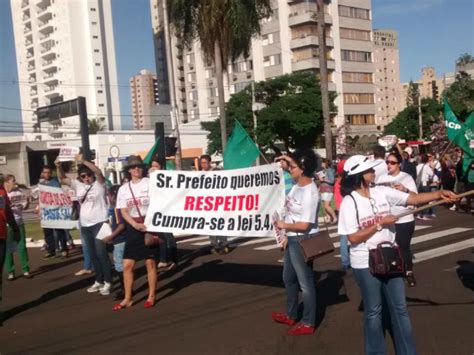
447, 249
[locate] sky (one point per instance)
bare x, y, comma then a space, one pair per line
430, 33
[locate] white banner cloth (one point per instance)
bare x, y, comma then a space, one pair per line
236, 202
55, 208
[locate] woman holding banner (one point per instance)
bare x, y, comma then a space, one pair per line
301, 221
133, 202
91, 195
365, 218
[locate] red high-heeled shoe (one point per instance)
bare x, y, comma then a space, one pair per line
120, 306
149, 304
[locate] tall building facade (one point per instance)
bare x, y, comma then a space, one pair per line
65, 49
288, 43
144, 98
388, 91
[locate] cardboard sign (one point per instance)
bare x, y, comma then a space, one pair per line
55, 208
68, 153
236, 202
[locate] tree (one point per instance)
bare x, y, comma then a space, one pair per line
292, 113
460, 96
224, 28
95, 126
413, 94
464, 59
405, 124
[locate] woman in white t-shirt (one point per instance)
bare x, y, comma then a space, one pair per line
301, 221
91, 195
424, 178
405, 226
133, 202
365, 217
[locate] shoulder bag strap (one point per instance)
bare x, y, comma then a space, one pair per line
84, 197
135, 202
357, 210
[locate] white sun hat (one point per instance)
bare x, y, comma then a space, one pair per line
358, 164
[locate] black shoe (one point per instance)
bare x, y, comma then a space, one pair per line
411, 281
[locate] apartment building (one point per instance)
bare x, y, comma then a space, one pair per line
65, 49
144, 98
389, 96
288, 43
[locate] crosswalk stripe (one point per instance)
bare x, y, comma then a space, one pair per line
192, 240
436, 235
229, 239
447, 249
254, 241
332, 235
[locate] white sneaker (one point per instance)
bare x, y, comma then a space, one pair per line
95, 287
105, 289
453, 208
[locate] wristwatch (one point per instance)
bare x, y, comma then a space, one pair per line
379, 227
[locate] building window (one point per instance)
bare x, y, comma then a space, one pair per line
351, 33
356, 56
101, 105
360, 119
94, 23
240, 86
353, 77
355, 12
358, 98
271, 60
270, 38
212, 92
193, 95
95, 37
190, 59
93, 9
98, 78
210, 73
97, 64
100, 91
191, 77
96, 51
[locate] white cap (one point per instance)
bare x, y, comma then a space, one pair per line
358, 164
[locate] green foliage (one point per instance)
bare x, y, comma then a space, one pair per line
464, 59
95, 126
405, 124
292, 112
460, 96
229, 23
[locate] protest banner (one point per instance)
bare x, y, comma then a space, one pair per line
236, 202
55, 208
68, 153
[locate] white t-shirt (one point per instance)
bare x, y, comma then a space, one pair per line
125, 197
380, 169
427, 173
371, 211
407, 181
94, 207
302, 205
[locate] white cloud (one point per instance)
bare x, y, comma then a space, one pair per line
393, 7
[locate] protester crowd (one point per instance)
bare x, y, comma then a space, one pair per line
363, 195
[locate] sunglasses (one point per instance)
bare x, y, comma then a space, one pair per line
83, 176
391, 162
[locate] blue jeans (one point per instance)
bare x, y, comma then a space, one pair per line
344, 249
393, 290
86, 254
118, 256
297, 273
98, 253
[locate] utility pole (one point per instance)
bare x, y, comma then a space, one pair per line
84, 124
254, 109
171, 85
323, 76
420, 118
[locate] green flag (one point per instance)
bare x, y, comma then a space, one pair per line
456, 131
151, 153
240, 151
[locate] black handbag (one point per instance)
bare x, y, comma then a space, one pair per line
386, 260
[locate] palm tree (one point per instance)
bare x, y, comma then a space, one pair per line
95, 125
464, 59
224, 29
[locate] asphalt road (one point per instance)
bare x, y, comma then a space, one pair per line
222, 304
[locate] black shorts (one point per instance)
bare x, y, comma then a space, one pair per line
135, 248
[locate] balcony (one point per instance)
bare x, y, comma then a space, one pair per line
45, 16
50, 79
309, 40
32, 79
306, 16
25, 3
28, 43
29, 54
26, 30
50, 65
45, 37
45, 25
34, 105
33, 92
310, 64
50, 88
26, 16
31, 67
46, 50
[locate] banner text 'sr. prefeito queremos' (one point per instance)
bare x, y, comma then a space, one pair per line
232, 202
